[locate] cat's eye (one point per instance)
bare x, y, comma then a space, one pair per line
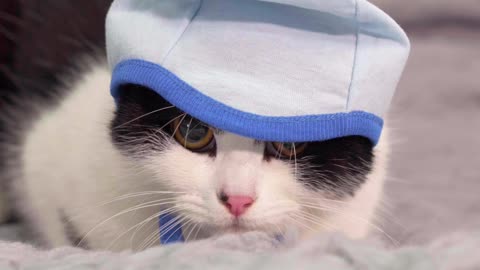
193, 134
285, 150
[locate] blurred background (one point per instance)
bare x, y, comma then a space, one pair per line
434, 183
435, 178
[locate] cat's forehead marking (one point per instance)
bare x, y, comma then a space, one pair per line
230, 142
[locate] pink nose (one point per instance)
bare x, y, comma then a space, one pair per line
237, 205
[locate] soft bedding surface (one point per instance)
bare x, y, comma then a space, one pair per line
255, 251
432, 193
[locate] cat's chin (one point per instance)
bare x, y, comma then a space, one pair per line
288, 236
240, 232
238, 227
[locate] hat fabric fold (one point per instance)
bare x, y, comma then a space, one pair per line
278, 70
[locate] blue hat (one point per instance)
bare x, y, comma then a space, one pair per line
272, 70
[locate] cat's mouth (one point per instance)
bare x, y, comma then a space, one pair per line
240, 226
237, 227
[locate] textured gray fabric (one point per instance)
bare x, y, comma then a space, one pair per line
254, 251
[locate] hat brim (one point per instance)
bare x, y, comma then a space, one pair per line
303, 128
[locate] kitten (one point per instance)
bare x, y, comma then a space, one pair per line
86, 171
94, 174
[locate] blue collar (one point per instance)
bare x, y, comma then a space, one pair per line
169, 234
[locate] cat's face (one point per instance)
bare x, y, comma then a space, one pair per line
226, 182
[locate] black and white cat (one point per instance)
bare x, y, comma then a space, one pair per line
86, 171
96, 174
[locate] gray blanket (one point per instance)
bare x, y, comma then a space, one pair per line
255, 251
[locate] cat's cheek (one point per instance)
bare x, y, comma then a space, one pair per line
278, 188
179, 169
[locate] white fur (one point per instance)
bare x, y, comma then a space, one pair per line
68, 162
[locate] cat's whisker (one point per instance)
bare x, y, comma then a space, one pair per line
314, 197
143, 193
179, 227
300, 218
123, 197
294, 161
316, 220
278, 154
171, 223
164, 229
144, 115
188, 131
198, 230
178, 126
171, 210
323, 202
172, 120
332, 203
189, 228
354, 217
190, 231
136, 211
293, 218
153, 235
157, 232
140, 225
141, 206
275, 210
380, 211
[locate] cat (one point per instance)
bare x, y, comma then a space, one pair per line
87, 172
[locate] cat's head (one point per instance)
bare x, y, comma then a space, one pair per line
226, 182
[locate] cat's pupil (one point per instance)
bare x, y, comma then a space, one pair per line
193, 130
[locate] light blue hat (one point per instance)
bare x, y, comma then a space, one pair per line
272, 70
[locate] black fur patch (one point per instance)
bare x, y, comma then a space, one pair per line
143, 118
338, 165
140, 115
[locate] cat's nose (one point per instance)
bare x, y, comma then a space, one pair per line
237, 205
